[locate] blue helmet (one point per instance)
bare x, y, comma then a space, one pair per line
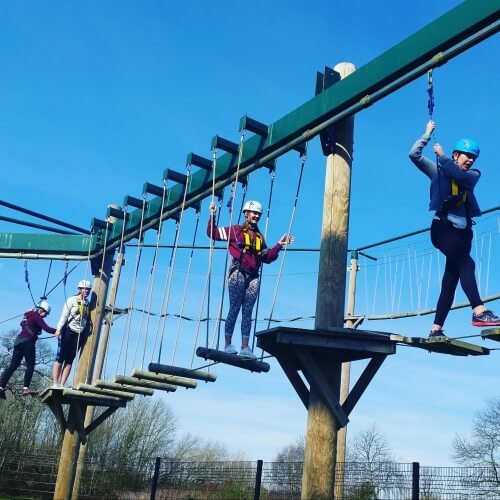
467, 146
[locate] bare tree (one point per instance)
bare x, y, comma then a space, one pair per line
482, 450
287, 468
370, 458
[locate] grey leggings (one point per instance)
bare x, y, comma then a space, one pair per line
243, 293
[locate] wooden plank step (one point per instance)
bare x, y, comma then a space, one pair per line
122, 387
491, 334
121, 379
443, 345
105, 392
253, 365
188, 383
93, 399
182, 372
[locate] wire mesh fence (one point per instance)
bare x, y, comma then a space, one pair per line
34, 476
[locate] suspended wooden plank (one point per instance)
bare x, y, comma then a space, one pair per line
182, 372
253, 365
168, 379
122, 387
442, 345
491, 334
121, 379
94, 399
105, 392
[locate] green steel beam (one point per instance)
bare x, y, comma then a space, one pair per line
451, 34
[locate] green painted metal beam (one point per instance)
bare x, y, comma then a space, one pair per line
459, 29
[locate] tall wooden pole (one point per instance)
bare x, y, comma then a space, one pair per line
103, 344
318, 478
71, 442
346, 376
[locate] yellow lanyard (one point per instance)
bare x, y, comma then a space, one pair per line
257, 242
455, 191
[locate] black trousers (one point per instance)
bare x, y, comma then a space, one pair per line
27, 351
456, 245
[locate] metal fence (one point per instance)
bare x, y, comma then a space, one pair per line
33, 476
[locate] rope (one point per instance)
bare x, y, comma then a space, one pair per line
430, 92
303, 158
27, 280
47, 280
149, 291
112, 305
171, 266
231, 203
97, 292
126, 336
261, 271
186, 283
206, 290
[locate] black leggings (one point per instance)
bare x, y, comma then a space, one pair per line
456, 245
27, 351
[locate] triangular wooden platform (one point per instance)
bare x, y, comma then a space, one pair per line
318, 353
315, 356
78, 401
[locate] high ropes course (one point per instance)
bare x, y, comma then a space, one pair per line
153, 336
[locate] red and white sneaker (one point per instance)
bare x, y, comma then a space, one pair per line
486, 318
28, 392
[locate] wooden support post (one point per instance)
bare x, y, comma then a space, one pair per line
66, 487
346, 378
318, 477
101, 353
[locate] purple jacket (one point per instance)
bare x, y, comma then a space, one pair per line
32, 325
249, 260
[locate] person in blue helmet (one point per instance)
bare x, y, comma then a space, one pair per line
454, 204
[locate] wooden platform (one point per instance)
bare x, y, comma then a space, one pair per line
491, 334
318, 354
78, 402
253, 365
442, 345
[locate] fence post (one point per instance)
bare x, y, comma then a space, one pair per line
154, 484
415, 482
258, 480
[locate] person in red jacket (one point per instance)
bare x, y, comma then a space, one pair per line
248, 251
32, 325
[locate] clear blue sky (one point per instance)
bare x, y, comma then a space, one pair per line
98, 97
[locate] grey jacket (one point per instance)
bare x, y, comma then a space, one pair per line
441, 176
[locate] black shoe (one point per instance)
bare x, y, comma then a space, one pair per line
2, 394
436, 333
486, 318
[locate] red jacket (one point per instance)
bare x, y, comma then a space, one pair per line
32, 325
244, 249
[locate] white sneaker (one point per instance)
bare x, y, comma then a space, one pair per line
230, 349
56, 386
247, 353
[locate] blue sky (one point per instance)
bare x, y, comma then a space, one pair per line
99, 97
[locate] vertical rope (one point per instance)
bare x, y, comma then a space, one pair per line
303, 159
126, 337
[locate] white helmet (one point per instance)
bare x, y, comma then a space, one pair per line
254, 206
84, 284
43, 304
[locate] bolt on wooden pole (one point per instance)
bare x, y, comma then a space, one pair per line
318, 477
